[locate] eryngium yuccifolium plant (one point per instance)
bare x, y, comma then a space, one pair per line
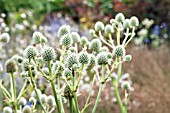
66, 40
119, 51
4, 37
48, 54
11, 66
30, 52
95, 45
71, 60
102, 58
63, 30
64, 68
7, 110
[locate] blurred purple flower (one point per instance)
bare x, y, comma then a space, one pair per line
156, 29
147, 41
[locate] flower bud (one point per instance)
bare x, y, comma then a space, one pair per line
33, 94
75, 37
83, 57
27, 109
92, 33
37, 37
55, 67
102, 58
67, 92
43, 98
71, 60
126, 23
72, 49
11, 66
109, 55
125, 85
45, 70
92, 59
48, 54
134, 22
30, 52
109, 29
63, 30
50, 100
75, 66
119, 51
4, 37
120, 17
128, 58
66, 40
43, 39
22, 101
95, 45
99, 26
7, 110
18, 58
67, 73
83, 40
32, 100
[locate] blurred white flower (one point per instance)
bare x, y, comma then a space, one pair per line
23, 15
148, 23
7, 29
26, 23
3, 25
143, 32
1, 68
3, 15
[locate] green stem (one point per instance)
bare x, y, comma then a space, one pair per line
13, 91
71, 105
57, 100
118, 37
35, 87
22, 90
55, 97
76, 102
100, 89
132, 35
87, 102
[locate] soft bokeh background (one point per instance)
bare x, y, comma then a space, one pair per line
150, 67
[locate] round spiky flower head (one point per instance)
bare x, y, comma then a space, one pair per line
119, 51
11, 66
7, 110
33, 94
92, 59
104, 48
125, 85
4, 37
30, 52
63, 30
75, 37
43, 98
22, 101
134, 22
37, 37
99, 26
128, 58
102, 58
18, 58
92, 33
27, 109
72, 49
83, 40
32, 100
66, 40
75, 66
45, 70
120, 17
56, 65
109, 29
50, 100
126, 23
95, 45
48, 54
67, 92
71, 60
109, 55
25, 65
67, 73
83, 57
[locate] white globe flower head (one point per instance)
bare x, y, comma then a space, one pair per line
4, 37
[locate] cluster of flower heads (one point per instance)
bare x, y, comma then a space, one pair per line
29, 106
76, 53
